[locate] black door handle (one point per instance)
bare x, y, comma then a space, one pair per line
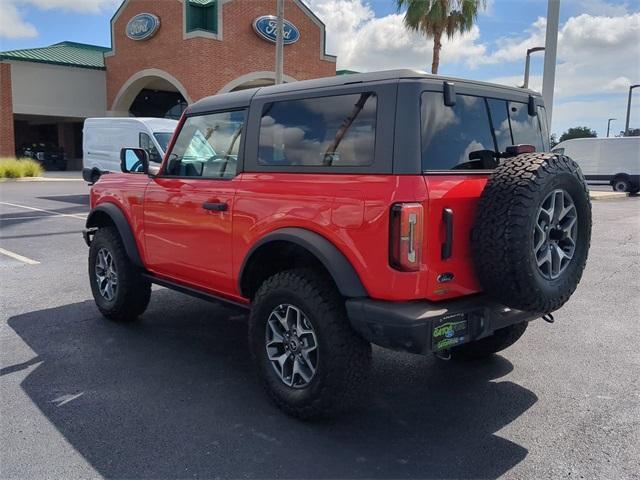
215, 206
447, 246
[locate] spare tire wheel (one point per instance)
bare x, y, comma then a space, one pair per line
532, 232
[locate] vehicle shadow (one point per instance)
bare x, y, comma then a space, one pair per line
175, 395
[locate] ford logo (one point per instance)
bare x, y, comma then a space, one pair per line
265, 27
142, 26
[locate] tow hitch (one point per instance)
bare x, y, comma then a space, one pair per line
547, 317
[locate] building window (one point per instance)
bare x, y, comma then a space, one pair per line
201, 15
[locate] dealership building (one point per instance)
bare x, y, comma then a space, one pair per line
163, 56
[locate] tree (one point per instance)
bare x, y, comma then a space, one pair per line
578, 132
553, 140
434, 18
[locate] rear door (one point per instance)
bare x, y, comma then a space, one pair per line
189, 206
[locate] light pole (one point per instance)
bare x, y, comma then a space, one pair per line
279, 41
609, 125
626, 126
527, 63
551, 47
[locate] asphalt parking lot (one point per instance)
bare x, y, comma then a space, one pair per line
175, 395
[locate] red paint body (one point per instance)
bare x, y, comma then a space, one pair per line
181, 241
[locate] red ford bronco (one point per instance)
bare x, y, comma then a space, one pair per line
415, 212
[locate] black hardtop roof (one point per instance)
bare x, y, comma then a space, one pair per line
242, 98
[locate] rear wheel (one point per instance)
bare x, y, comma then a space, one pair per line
311, 361
501, 339
621, 184
120, 292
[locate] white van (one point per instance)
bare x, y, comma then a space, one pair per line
103, 138
612, 160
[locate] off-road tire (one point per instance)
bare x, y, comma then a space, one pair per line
133, 292
502, 236
344, 357
501, 339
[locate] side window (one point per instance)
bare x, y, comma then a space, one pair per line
544, 127
457, 137
333, 131
207, 146
524, 127
147, 144
501, 126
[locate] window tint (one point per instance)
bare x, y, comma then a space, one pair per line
147, 144
524, 128
207, 146
329, 131
450, 135
500, 119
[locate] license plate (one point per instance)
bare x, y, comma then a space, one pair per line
450, 331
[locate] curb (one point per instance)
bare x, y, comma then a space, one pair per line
607, 195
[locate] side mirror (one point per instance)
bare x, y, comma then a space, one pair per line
134, 160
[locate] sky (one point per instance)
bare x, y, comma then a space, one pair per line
598, 45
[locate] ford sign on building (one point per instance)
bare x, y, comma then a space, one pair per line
163, 55
142, 26
266, 25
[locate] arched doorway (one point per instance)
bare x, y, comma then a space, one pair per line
253, 80
151, 93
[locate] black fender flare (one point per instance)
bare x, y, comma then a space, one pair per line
121, 223
338, 266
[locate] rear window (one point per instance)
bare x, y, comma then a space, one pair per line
475, 131
336, 131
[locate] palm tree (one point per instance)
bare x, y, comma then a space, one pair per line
437, 17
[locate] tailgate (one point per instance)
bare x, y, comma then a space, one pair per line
449, 217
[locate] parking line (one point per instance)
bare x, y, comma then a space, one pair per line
3, 219
72, 215
15, 256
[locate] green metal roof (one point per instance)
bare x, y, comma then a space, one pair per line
345, 72
70, 54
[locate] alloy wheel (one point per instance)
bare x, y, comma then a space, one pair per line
292, 346
555, 233
106, 274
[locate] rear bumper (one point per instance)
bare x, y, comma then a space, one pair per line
423, 327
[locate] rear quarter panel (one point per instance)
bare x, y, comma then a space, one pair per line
349, 210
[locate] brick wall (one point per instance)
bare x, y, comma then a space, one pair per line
205, 65
7, 146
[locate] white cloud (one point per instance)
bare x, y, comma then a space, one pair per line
81, 6
365, 42
595, 54
13, 25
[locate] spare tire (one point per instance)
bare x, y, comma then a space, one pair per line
532, 232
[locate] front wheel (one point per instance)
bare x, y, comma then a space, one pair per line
311, 361
120, 292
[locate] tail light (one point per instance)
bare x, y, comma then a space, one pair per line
405, 239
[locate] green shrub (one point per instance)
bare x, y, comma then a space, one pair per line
16, 168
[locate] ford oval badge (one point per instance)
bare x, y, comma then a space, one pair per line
265, 27
142, 26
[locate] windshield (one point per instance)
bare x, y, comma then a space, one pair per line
163, 139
